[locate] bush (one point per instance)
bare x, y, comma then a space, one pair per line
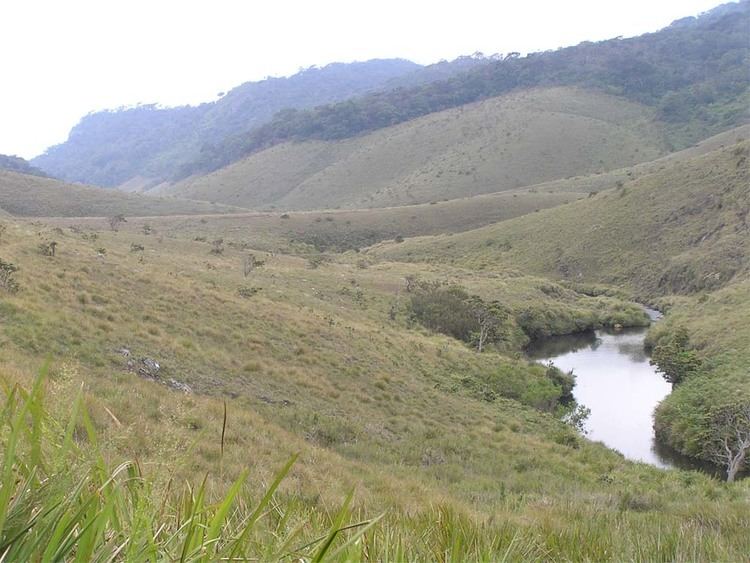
7, 276
443, 309
674, 358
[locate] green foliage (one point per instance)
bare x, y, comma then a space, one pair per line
444, 309
61, 501
674, 357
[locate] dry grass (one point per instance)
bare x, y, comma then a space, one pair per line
33, 196
499, 144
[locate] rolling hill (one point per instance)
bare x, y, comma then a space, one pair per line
499, 144
693, 73
144, 145
678, 237
33, 196
680, 229
322, 361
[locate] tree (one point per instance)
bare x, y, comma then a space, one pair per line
729, 438
250, 263
674, 358
487, 316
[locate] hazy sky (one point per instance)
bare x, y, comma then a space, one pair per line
64, 58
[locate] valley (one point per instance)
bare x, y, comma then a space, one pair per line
488, 309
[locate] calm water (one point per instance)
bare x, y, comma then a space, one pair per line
615, 380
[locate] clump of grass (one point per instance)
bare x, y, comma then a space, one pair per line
60, 500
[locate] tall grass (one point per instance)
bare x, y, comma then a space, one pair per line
61, 501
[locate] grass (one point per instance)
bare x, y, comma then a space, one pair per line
338, 230
678, 230
60, 500
312, 364
499, 144
677, 237
34, 196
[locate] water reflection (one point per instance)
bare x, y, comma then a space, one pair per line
616, 381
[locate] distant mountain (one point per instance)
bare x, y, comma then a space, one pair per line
149, 142
18, 164
694, 72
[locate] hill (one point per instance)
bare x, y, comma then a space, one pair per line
680, 229
677, 237
18, 164
34, 196
464, 450
498, 144
150, 143
692, 72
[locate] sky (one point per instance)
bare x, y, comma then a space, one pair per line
62, 59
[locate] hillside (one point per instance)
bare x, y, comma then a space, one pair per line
462, 450
18, 164
499, 144
693, 73
34, 196
677, 237
150, 143
681, 229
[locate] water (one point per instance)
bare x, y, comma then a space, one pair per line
615, 380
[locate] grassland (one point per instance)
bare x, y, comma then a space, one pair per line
307, 232
460, 449
499, 144
681, 229
677, 237
34, 196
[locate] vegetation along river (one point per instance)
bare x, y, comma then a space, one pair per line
616, 381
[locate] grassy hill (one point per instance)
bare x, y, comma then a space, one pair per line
151, 143
693, 73
341, 230
681, 229
34, 196
462, 449
678, 237
499, 144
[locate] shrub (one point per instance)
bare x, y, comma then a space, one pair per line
674, 358
217, 246
7, 276
248, 292
47, 248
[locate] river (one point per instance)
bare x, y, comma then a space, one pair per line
616, 381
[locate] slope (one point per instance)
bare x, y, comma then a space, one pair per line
147, 144
495, 145
446, 439
35, 196
678, 237
681, 229
693, 72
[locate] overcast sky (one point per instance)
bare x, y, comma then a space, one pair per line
64, 58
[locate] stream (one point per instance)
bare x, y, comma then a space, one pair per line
615, 380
